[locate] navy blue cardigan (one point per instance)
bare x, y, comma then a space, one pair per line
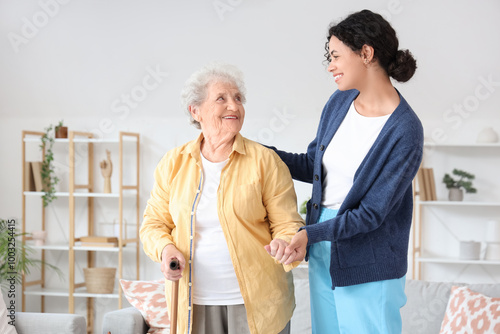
370, 234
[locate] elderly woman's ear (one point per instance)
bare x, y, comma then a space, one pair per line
194, 112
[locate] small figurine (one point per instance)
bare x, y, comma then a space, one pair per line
106, 170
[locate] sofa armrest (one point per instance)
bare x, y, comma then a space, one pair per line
125, 321
427, 302
50, 323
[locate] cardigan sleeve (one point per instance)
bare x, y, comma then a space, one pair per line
384, 194
301, 165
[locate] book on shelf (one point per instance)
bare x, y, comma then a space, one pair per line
36, 169
432, 183
29, 181
421, 185
426, 184
99, 244
98, 239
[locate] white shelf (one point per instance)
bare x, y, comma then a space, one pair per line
457, 203
83, 248
465, 145
102, 249
455, 261
50, 247
36, 139
79, 292
127, 193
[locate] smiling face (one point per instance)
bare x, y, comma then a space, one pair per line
221, 114
347, 67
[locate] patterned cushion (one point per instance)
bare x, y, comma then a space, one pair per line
471, 312
149, 298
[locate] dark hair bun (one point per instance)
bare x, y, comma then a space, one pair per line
403, 66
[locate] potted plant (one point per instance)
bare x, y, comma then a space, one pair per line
456, 187
15, 257
60, 130
303, 208
49, 179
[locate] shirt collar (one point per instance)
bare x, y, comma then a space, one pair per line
193, 147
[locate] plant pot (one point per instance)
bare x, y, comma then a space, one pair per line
456, 194
62, 132
99, 280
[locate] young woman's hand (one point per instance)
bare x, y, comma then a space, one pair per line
297, 248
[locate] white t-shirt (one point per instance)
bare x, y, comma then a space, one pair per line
346, 151
214, 279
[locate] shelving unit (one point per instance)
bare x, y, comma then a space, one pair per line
77, 192
433, 215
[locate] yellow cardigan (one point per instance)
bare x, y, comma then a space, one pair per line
256, 203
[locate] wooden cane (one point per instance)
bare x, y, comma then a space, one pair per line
174, 265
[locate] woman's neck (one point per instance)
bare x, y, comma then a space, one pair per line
377, 97
216, 150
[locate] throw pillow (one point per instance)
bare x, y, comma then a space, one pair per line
471, 312
6, 326
149, 298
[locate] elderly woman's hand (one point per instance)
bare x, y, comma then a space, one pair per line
169, 253
286, 253
277, 248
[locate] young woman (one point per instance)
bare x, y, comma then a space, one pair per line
367, 150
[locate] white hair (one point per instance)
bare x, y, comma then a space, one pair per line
195, 88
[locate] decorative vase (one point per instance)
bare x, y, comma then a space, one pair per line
470, 250
62, 132
456, 194
487, 136
492, 251
39, 237
493, 231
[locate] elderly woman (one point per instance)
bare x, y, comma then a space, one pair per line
219, 204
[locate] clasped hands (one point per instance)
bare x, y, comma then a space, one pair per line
280, 250
286, 253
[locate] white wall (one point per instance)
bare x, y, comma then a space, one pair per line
90, 63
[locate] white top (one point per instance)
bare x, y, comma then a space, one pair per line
346, 151
214, 279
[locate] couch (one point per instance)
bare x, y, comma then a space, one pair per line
422, 314
427, 301
38, 323
50, 323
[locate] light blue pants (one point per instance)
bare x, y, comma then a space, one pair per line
368, 308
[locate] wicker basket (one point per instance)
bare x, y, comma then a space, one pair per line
99, 280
